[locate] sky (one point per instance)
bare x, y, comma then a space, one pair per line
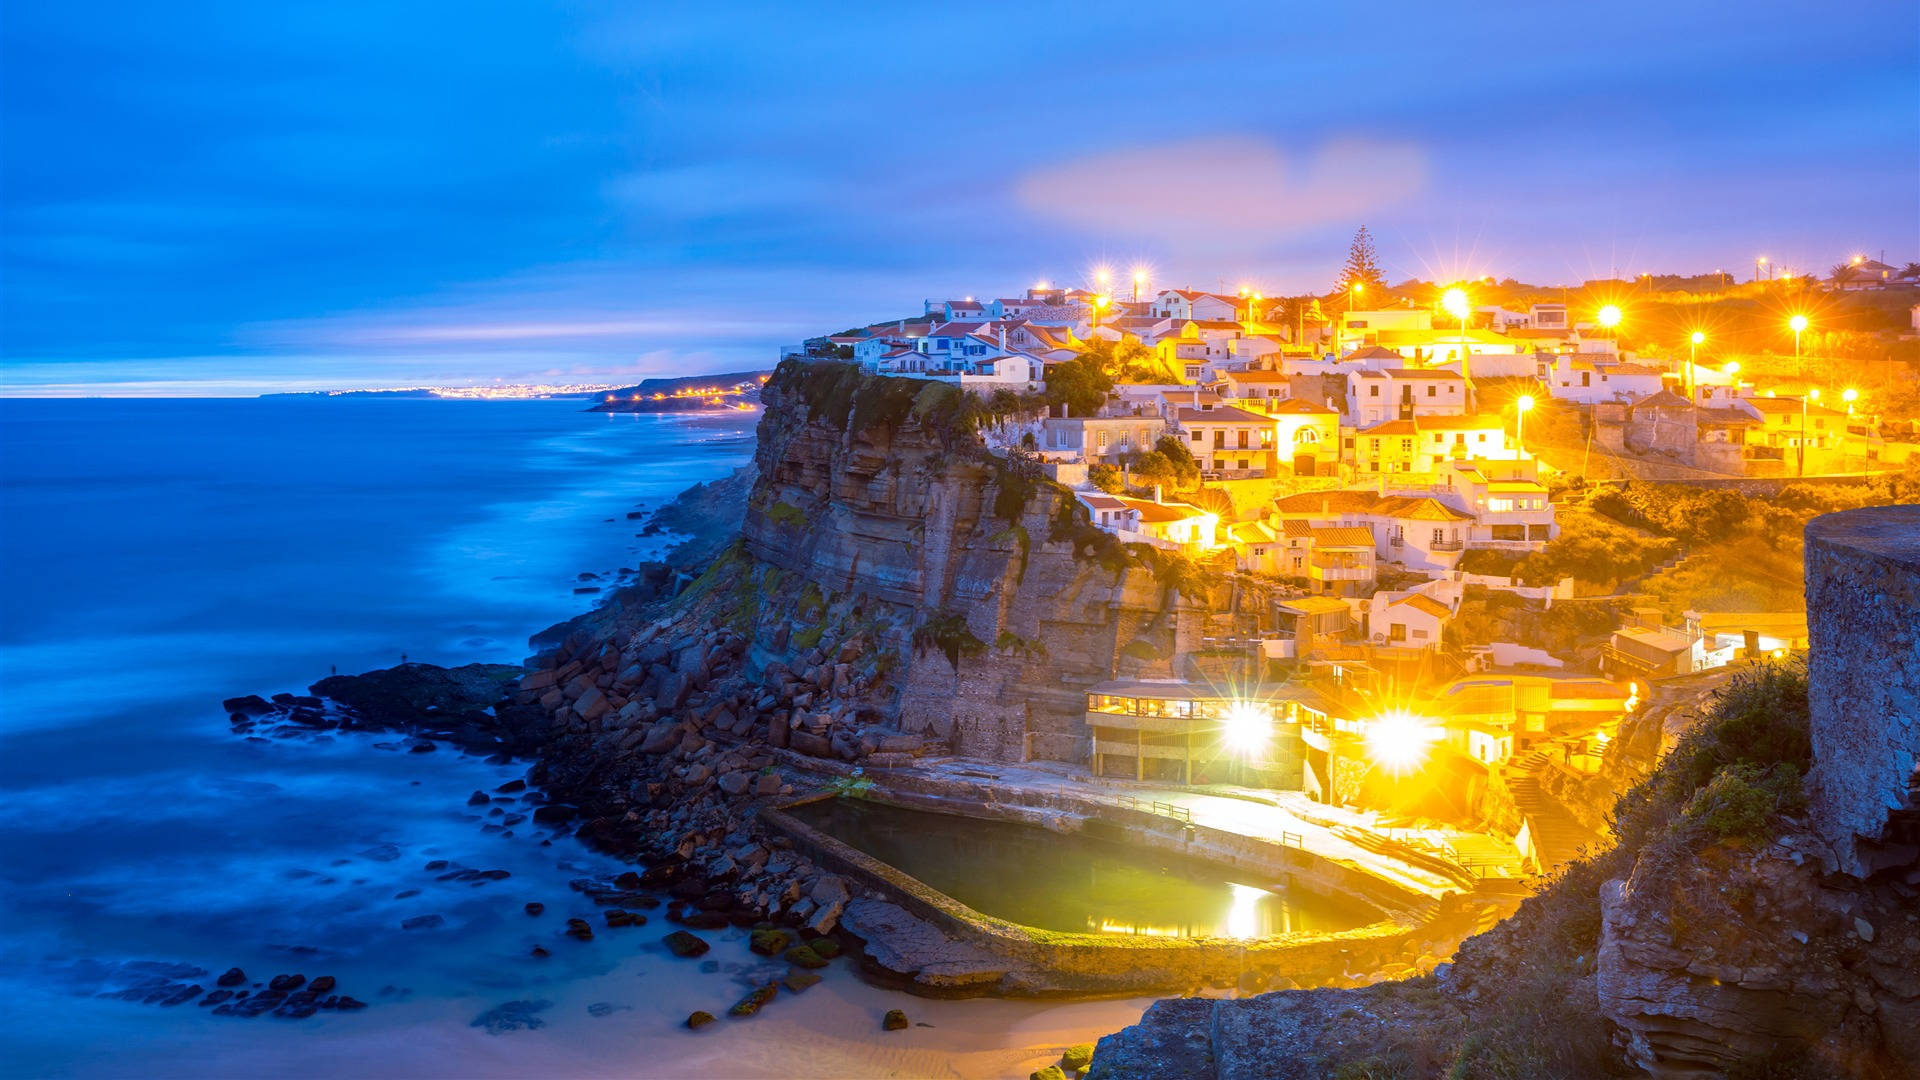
207, 197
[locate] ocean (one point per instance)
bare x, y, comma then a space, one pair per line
158, 556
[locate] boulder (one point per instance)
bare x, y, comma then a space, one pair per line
736, 782
797, 981
232, 977
755, 998
322, 984
802, 956
895, 1020
769, 942
698, 1019
1077, 1057
685, 945
661, 737
766, 784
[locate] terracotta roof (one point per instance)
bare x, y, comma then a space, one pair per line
1419, 508
1256, 376
1783, 406
1665, 399
1422, 373
1483, 422
1299, 405
1101, 502
1151, 511
956, 328
1372, 352
1343, 536
1294, 528
1252, 532
1391, 427
1326, 503
1423, 602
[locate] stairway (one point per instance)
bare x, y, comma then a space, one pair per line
1557, 837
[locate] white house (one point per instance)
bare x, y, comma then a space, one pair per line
1184, 304
1374, 397
1406, 618
1589, 379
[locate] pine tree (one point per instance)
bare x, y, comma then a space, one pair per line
1363, 264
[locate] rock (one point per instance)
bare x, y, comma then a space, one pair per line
661, 737
322, 984
686, 945
512, 786
755, 998
423, 922
232, 977
580, 929
1077, 1057
535, 907
802, 956
698, 1019
511, 1016
622, 917
797, 981
769, 942
288, 983
1863, 928
215, 998
1051, 1072
895, 1020
539, 952
478, 798
735, 783
828, 948
346, 1002
766, 784
553, 814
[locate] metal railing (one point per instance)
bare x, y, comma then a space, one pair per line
1164, 809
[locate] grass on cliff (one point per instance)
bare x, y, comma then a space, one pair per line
1729, 782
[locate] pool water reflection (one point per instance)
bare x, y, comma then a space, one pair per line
1075, 883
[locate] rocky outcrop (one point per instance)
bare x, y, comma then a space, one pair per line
1863, 622
976, 579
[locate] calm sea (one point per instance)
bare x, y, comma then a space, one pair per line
158, 556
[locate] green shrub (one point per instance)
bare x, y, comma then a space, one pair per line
1742, 800
947, 631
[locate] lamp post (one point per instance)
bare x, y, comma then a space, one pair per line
1456, 302
1139, 279
1693, 356
1798, 323
1759, 266
1520, 408
1812, 394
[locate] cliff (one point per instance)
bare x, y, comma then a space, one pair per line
880, 517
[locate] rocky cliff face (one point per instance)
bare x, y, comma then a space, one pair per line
895, 528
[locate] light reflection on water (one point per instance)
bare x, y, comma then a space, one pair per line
1073, 882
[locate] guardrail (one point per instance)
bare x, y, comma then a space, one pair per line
1165, 809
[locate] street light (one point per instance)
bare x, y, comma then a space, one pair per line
1456, 302
1693, 355
1521, 407
1799, 324
1812, 394
1139, 279
1608, 316
1759, 265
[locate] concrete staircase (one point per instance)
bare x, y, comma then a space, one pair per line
1557, 836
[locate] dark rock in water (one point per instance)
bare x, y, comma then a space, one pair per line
769, 942
422, 748
286, 982
512, 819
437, 864
553, 814
423, 922
495, 875
895, 1020
586, 590
249, 706
606, 1008
755, 998
183, 994
405, 894
322, 984
686, 945
381, 853
623, 917
698, 1019
346, 1002
628, 880
825, 946
479, 798
512, 1016
535, 907
215, 998
512, 786
539, 952
579, 928
705, 920
799, 980
232, 977
802, 956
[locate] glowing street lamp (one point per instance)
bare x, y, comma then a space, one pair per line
1521, 408
1139, 280
1693, 355
1455, 301
1398, 741
1608, 316
1759, 267
1812, 394
1799, 324
1849, 395
1248, 729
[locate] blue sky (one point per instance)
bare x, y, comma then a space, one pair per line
214, 197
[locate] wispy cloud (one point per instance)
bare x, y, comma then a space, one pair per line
1224, 192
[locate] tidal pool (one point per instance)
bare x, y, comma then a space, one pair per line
1073, 882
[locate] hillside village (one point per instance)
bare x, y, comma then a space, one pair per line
1368, 474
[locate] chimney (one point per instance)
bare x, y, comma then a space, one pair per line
1003, 337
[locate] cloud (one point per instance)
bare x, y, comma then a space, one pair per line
1224, 191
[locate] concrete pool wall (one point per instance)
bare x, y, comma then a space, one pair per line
998, 956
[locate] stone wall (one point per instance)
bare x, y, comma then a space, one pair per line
1863, 616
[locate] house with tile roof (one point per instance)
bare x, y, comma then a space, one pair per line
1375, 396
1412, 450
1406, 619
1227, 441
1184, 304
1417, 531
1588, 379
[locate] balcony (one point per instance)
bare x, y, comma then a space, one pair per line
1446, 545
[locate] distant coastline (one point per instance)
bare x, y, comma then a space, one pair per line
731, 390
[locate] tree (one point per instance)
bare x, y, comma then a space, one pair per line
1363, 264
1843, 273
1911, 270
1081, 386
1186, 468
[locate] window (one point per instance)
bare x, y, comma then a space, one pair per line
1243, 439
1196, 434
1103, 440
1373, 391
1220, 439
1406, 446
1439, 536
1432, 390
